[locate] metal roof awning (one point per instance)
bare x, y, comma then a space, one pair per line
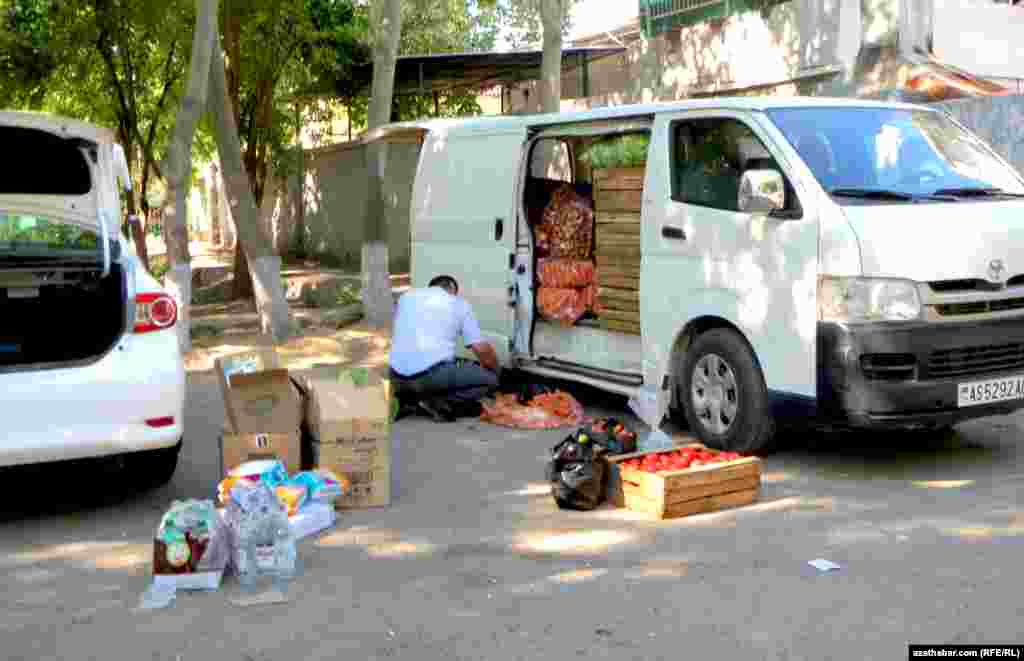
446, 73
425, 74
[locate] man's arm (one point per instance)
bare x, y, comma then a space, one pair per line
486, 354
473, 338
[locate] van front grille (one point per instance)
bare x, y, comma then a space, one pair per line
973, 284
888, 366
979, 307
964, 285
967, 361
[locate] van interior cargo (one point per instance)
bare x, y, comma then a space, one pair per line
586, 248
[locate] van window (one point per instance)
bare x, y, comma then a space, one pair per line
907, 151
551, 160
709, 159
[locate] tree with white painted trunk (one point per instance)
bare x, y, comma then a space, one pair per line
386, 29
546, 22
264, 265
552, 14
177, 165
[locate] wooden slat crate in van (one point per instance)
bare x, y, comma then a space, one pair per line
673, 494
618, 199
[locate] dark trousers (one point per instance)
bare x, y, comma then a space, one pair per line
456, 380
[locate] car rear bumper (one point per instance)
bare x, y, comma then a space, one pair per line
98, 410
904, 376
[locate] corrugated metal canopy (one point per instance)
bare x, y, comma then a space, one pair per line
448, 72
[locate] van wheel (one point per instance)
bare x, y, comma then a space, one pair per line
723, 394
153, 468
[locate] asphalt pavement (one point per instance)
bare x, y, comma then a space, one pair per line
473, 560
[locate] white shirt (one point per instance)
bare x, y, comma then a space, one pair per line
427, 323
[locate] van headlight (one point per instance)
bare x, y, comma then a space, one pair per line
859, 300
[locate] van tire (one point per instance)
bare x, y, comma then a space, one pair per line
738, 389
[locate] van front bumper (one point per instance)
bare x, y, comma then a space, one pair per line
905, 376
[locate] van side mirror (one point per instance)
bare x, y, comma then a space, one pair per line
761, 192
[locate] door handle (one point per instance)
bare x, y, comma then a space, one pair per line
670, 232
499, 229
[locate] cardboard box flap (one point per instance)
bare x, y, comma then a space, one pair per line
342, 411
264, 402
245, 362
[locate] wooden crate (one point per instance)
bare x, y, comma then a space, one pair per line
618, 199
700, 490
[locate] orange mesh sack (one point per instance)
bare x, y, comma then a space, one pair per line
565, 273
549, 411
562, 305
588, 296
569, 221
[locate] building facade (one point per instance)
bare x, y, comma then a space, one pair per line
925, 50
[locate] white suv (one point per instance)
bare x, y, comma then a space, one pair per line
89, 359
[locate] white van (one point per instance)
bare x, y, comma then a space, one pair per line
863, 261
89, 358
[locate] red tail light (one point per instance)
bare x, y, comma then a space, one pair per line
154, 312
157, 423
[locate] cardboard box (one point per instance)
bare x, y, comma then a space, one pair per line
266, 402
368, 469
350, 419
342, 410
244, 362
236, 449
206, 581
312, 519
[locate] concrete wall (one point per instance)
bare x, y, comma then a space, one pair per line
999, 120
788, 46
981, 37
335, 202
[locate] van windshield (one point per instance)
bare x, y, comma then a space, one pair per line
35, 235
894, 154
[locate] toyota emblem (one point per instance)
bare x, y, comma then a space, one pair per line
996, 268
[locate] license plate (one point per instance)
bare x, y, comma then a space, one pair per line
990, 390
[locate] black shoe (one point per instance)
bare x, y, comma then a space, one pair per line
468, 409
406, 410
438, 409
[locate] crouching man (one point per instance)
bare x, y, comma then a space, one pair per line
428, 378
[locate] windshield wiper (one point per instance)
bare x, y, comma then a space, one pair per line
976, 192
873, 194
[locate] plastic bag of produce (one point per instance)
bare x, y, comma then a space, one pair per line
568, 221
565, 306
576, 473
562, 272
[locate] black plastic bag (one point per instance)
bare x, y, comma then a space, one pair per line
576, 473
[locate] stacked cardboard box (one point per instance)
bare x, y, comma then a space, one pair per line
264, 410
349, 419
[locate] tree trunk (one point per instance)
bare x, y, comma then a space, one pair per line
178, 167
264, 266
378, 303
255, 162
551, 13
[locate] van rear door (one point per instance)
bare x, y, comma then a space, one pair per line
463, 221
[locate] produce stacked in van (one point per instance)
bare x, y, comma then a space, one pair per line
619, 168
565, 271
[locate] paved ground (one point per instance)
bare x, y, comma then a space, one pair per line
473, 561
